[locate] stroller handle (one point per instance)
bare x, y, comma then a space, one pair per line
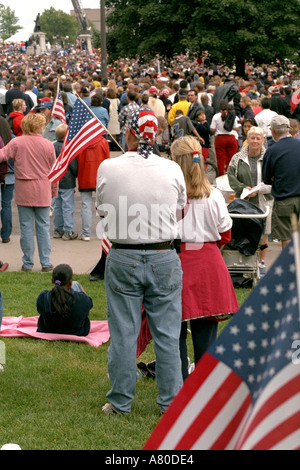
251, 216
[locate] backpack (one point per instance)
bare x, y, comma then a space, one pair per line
229, 121
231, 92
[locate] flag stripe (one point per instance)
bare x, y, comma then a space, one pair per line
283, 430
84, 129
85, 132
257, 348
205, 420
174, 419
276, 392
271, 421
88, 131
72, 153
228, 437
73, 149
58, 107
289, 443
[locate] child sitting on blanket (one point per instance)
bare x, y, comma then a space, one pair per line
64, 309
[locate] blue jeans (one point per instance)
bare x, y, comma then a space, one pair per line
64, 208
152, 278
7, 191
40, 218
86, 212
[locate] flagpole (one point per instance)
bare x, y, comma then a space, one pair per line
296, 240
101, 123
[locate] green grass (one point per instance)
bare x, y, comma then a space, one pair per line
51, 393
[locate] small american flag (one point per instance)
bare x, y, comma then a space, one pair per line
245, 391
84, 129
58, 109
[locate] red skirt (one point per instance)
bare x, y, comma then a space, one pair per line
207, 286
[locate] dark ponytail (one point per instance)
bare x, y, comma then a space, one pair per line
61, 275
223, 109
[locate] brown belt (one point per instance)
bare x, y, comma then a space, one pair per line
145, 246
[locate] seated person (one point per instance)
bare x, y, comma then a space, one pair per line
64, 309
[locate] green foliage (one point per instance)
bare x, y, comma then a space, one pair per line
233, 31
60, 24
8, 23
145, 29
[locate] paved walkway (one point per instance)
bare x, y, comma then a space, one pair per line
82, 256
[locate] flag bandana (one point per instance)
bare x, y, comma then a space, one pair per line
143, 124
245, 391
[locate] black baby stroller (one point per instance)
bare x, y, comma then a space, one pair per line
241, 254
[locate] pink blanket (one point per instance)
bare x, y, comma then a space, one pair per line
21, 326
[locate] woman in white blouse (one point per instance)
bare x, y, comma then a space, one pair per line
208, 294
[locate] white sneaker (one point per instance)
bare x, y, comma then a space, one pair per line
83, 237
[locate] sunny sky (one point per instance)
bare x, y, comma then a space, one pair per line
27, 12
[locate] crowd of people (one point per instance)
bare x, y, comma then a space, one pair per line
171, 116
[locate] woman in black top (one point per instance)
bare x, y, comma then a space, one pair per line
64, 309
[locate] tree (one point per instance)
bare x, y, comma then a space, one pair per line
236, 31
151, 28
8, 23
232, 31
60, 24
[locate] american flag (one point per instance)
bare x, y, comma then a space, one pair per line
106, 244
245, 391
58, 109
84, 129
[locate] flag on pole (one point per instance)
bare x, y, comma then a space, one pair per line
245, 391
58, 109
295, 100
84, 129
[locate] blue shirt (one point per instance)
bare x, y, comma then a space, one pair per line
101, 113
281, 168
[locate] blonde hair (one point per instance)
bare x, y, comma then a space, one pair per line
255, 130
33, 123
17, 103
197, 184
61, 130
246, 100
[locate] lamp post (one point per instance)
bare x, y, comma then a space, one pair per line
103, 40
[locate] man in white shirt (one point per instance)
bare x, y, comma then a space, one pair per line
139, 193
263, 120
29, 88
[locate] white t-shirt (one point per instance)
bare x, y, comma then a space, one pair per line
33, 96
263, 120
139, 197
205, 219
218, 125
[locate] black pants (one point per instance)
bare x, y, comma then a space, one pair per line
204, 332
